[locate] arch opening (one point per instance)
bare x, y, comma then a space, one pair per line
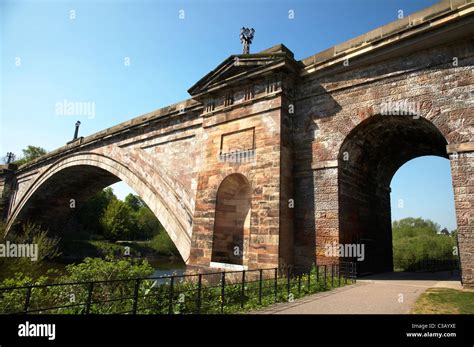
47, 199
423, 215
368, 158
232, 220
55, 202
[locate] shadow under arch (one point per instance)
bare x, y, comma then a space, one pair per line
232, 220
368, 158
79, 176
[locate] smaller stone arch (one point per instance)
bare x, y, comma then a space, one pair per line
232, 220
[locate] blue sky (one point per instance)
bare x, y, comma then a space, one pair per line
78, 51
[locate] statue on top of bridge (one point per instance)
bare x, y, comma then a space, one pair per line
246, 37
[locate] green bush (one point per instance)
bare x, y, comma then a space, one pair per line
117, 294
118, 221
163, 244
416, 240
70, 298
28, 233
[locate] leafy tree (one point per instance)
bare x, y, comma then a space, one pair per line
134, 201
118, 221
148, 224
91, 212
409, 227
30, 153
134, 219
416, 240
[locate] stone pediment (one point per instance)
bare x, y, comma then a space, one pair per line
239, 67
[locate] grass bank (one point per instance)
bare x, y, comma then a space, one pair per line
445, 301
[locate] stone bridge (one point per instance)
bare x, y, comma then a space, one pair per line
272, 159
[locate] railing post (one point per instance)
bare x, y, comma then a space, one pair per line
325, 276
332, 275
27, 300
309, 280
171, 294
89, 297
222, 291
260, 285
345, 273
276, 284
348, 270
135, 296
242, 293
317, 273
198, 303
299, 284
339, 274
288, 281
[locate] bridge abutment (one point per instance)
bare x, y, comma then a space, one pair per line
462, 172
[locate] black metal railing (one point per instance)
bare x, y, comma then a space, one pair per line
203, 293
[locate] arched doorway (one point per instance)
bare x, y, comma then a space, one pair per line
368, 158
232, 220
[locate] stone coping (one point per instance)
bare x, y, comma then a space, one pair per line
393, 31
175, 109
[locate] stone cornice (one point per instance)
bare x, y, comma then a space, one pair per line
460, 147
391, 35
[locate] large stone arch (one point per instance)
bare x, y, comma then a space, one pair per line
95, 171
368, 158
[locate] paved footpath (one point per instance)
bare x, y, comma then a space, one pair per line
382, 293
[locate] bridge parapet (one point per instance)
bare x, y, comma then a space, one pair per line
173, 112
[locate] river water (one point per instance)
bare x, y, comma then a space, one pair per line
167, 268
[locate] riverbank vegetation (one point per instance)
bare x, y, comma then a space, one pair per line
108, 226
47, 249
76, 293
417, 241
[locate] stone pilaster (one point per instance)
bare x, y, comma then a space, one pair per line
326, 197
462, 171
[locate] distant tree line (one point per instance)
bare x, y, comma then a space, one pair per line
29, 153
416, 240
